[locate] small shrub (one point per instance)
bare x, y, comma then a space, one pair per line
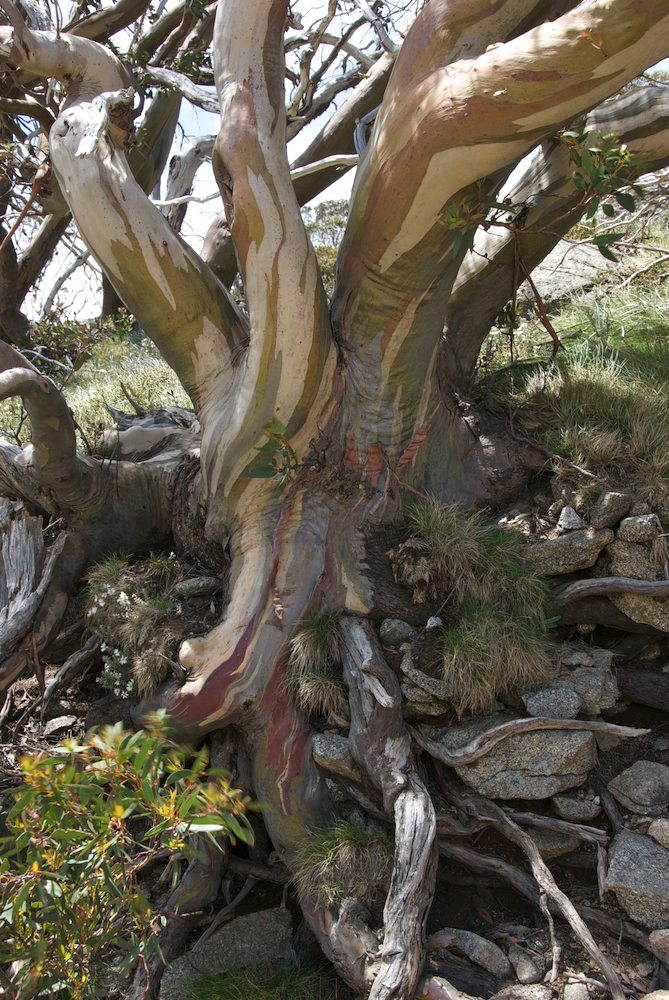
88, 818
489, 654
313, 675
344, 860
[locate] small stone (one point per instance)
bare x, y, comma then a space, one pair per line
535, 991
553, 844
331, 752
529, 968
576, 810
639, 875
434, 622
641, 529
569, 520
639, 507
393, 632
57, 725
481, 951
567, 553
574, 656
608, 509
659, 831
643, 788
575, 991
553, 703
657, 995
555, 510
659, 939
595, 686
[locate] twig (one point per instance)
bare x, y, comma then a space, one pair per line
555, 944
78, 661
8, 706
590, 834
602, 866
38, 670
610, 807
226, 911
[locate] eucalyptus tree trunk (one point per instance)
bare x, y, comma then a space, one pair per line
357, 388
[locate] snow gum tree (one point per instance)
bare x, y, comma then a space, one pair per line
363, 399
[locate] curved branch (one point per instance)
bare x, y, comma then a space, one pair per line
52, 456
480, 745
430, 145
290, 360
608, 585
551, 205
102, 24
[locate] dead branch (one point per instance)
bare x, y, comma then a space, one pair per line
479, 746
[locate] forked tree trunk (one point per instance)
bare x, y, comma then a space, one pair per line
360, 400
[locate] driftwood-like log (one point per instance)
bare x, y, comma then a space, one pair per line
381, 746
479, 746
605, 585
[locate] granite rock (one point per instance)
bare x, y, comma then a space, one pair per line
639, 876
643, 788
567, 553
608, 509
553, 703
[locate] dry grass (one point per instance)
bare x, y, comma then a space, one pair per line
455, 554
313, 674
133, 609
489, 655
344, 860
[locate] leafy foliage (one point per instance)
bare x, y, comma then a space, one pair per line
276, 458
88, 819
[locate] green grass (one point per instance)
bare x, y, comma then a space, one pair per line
313, 674
343, 860
107, 572
471, 559
289, 983
490, 654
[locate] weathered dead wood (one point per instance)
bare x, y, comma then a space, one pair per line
543, 877
479, 746
590, 834
605, 585
644, 687
381, 746
73, 665
26, 571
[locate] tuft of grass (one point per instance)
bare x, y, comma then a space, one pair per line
148, 379
313, 674
469, 559
611, 413
107, 572
489, 654
289, 983
345, 859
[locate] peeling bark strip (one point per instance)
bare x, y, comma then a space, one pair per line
380, 745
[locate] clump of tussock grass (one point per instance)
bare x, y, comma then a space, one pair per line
342, 860
313, 674
464, 557
489, 654
288, 983
611, 415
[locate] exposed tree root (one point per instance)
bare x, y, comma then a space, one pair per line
498, 819
381, 746
479, 746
